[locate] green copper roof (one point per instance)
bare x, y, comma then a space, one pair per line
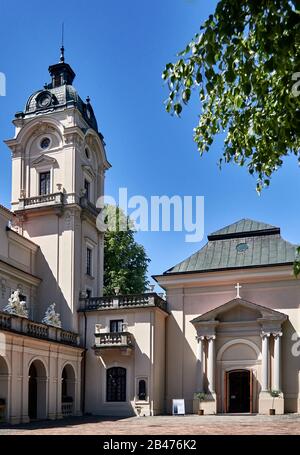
244, 226
246, 243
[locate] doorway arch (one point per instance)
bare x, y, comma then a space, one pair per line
4, 375
37, 390
68, 390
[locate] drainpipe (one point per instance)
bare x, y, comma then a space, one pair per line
84, 365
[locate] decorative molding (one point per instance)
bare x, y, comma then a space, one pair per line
238, 341
265, 334
44, 159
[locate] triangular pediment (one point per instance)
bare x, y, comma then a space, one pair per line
43, 159
240, 310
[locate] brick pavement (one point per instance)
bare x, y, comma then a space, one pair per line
162, 425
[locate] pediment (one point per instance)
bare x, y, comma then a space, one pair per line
240, 310
44, 160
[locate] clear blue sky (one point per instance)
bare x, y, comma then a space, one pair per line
118, 49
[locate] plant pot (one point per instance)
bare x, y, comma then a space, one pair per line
271, 412
201, 412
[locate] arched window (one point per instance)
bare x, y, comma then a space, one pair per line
142, 391
116, 384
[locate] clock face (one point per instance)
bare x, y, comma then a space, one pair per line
44, 100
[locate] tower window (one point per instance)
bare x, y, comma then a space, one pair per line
44, 183
87, 187
87, 153
116, 325
89, 261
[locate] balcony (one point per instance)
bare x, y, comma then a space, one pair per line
88, 207
45, 200
24, 326
113, 340
118, 302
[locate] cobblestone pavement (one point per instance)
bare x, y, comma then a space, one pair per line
162, 425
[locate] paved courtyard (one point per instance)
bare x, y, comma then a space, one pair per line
163, 425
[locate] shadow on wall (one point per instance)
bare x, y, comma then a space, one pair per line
49, 290
290, 363
180, 378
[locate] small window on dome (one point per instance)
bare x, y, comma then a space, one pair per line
45, 143
87, 153
242, 247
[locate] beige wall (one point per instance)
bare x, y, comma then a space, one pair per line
17, 353
189, 300
145, 361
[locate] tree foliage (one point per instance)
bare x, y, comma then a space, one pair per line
245, 68
125, 261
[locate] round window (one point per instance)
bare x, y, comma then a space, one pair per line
242, 247
45, 142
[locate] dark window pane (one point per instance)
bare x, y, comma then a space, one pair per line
44, 183
116, 325
88, 261
116, 384
142, 390
87, 187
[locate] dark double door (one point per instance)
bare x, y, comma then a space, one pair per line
239, 391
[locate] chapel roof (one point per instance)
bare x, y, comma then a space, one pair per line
243, 244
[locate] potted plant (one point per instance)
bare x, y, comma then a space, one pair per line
201, 397
274, 394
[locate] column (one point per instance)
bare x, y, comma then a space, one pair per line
265, 362
199, 369
277, 361
211, 363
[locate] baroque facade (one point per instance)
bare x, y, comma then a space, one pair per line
133, 354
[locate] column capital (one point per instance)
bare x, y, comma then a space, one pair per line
265, 334
277, 334
200, 338
210, 337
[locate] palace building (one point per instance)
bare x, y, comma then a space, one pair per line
228, 328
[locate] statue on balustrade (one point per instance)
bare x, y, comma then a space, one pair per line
16, 305
51, 317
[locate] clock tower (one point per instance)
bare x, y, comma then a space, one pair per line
58, 167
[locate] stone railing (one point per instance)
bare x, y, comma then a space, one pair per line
5, 321
39, 330
113, 339
88, 205
150, 299
67, 409
45, 199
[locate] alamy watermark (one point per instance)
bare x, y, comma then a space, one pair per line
158, 213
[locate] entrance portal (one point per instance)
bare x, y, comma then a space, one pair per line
37, 391
239, 391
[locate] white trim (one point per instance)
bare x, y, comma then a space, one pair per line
238, 341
